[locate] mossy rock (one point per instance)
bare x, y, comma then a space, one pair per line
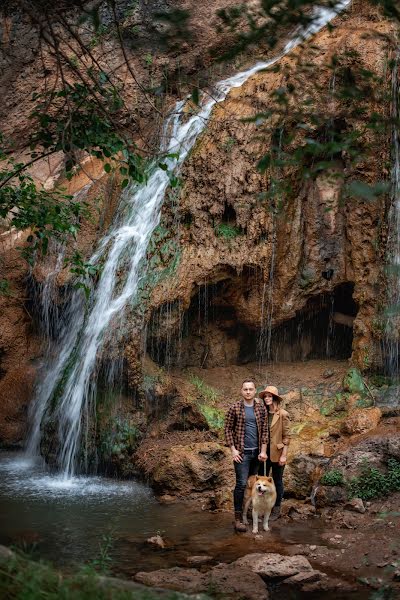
353, 382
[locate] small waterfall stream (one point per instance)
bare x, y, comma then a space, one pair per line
70, 381
393, 271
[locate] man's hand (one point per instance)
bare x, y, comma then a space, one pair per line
236, 455
262, 457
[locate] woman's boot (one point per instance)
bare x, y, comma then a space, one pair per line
276, 513
239, 525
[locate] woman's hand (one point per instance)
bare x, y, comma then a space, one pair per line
236, 455
282, 460
262, 457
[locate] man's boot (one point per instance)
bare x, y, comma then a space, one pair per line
276, 513
239, 526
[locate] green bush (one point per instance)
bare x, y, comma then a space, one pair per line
372, 483
23, 579
227, 231
121, 438
333, 477
214, 416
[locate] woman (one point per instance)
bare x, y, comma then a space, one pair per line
278, 424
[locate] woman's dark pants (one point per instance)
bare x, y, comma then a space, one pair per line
277, 476
243, 470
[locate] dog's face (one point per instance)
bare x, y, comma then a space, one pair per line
264, 485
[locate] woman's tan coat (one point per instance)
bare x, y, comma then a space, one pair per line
279, 434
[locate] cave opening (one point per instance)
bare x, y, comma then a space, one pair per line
323, 329
215, 331
229, 215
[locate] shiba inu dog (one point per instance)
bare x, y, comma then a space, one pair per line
261, 494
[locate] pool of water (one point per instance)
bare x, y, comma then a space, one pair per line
68, 521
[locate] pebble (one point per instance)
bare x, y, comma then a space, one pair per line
313, 547
338, 536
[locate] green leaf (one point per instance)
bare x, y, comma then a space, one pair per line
195, 96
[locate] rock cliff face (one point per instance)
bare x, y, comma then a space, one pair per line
309, 269
236, 280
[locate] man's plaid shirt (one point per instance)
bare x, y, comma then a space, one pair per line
235, 424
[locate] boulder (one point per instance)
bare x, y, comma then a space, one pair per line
6, 553
301, 473
373, 451
156, 541
361, 420
231, 581
186, 580
271, 565
226, 581
329, 495
355, 505
304, 577
194, 468
296, 510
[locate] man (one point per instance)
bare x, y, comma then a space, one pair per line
246, 435
278, 428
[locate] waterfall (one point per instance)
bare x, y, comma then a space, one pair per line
70, 382
393, 271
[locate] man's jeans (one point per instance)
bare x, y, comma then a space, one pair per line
243, 470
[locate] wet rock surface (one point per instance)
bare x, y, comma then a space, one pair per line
227, 581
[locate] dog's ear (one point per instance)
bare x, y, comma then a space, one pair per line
270, 479
256, 477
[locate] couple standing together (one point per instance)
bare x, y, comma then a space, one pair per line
257, 432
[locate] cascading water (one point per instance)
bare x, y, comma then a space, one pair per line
393, 272
70, 382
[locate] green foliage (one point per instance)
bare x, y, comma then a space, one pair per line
46, 214
82, 119
378, 380
23, 579
84, 270
333, 477
121, 439
228, 144
213, 415
332, 406
103, 561
353, 382
206, 391
77, 118
5, 289
372, 483
227, 231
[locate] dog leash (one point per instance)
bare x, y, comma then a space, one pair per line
265, 468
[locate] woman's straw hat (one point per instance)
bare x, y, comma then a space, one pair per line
272, 390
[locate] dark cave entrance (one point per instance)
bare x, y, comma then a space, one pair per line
323, 329
213, 331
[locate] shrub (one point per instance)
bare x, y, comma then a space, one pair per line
333, 477
214, 416
23, 579
372, 483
